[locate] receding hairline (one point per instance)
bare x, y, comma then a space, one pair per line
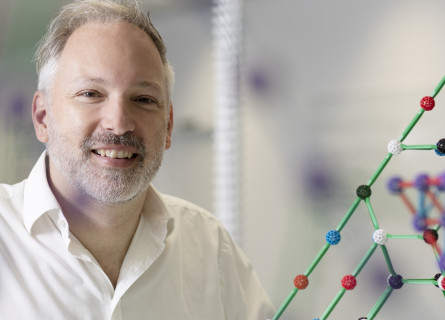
78, 13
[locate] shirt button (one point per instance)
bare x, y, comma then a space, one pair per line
62, 224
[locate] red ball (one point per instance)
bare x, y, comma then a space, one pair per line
442, 283
430, 236
427, 103
348, 282
301, 282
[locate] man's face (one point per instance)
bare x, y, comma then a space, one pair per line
109, 121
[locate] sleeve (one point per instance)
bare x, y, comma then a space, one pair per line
243, 296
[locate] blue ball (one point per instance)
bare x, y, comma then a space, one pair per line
333, 237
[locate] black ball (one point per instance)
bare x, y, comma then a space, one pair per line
436, 277
441, 146
364, 191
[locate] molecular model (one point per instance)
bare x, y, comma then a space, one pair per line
422, 217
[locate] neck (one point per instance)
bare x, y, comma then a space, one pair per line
92, 216
106, 230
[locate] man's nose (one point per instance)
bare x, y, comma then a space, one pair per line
117, 117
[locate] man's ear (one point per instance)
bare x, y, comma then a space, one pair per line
40, 116
168, 139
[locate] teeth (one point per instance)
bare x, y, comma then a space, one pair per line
115, 154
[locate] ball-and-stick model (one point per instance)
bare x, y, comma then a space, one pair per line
380, 236
429, 215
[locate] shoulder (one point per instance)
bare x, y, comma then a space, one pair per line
11, 205
11, 192
196, 226
181, 209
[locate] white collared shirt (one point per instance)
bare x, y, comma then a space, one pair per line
181, 264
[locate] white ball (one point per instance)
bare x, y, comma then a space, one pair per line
440, 283
395, 147
379, 237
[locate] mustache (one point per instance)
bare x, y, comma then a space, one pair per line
127, 139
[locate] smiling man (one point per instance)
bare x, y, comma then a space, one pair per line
87, 236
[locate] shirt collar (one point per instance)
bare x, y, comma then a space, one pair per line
155, 209
38, 197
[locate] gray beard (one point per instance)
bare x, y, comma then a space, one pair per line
105, 185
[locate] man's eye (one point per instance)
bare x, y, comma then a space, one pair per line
89, 94
145, 100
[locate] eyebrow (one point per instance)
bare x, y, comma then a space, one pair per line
141, 83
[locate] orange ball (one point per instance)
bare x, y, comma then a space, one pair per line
301, 282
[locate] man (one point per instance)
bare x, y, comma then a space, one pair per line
87, 236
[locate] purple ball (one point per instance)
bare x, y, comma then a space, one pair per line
441, 182
394, 185
419, 223
395, 281
422, 182
442, 220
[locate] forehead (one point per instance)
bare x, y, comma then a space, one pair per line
115, 52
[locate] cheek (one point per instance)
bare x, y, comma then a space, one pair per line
153, 133
69, 133
74, 125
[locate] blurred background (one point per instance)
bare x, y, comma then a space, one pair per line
325, 85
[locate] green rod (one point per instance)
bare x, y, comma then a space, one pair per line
317, 259
388, 260
419, 281
365, 259
421, 111
380, 169
345, 219
348, 214
412, 124
404, 236
372, 214
333, 304
379, 304
311, 268
419, 147
438, 87
285, 304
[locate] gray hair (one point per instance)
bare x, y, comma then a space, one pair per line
80, 12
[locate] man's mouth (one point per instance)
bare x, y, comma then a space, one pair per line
114, 154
